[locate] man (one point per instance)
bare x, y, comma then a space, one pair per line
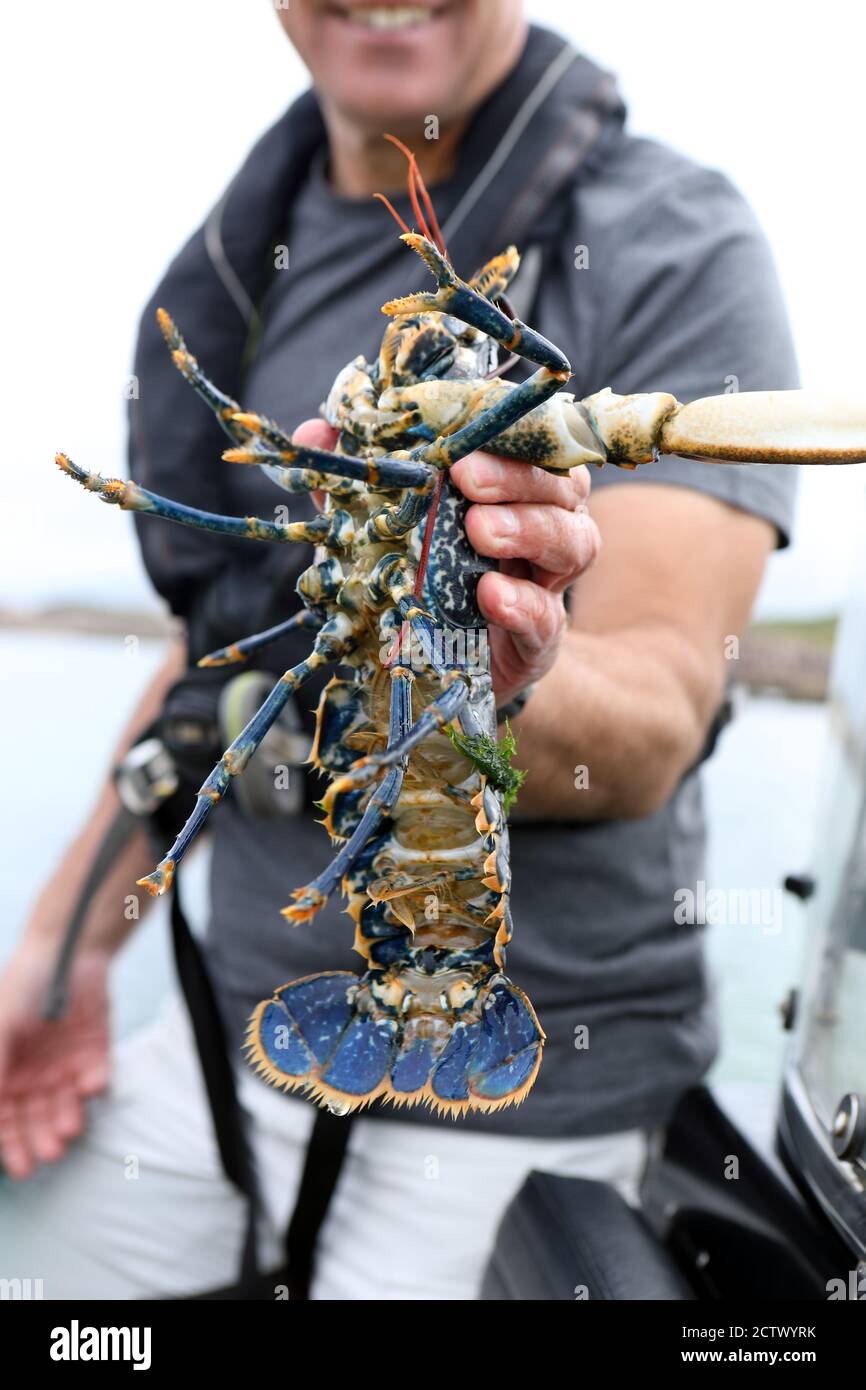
650, 274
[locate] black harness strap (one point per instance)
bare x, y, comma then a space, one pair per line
325, 1154
116, 838
325, 1151
219, 1080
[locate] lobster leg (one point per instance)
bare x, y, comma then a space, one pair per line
390, 577
494, 278
232, 418
374, 431
303, 480
461, 301
247, 429
310, 899
437, 714
392, 523
422, 626
224, 408
535, 391
385, 472
333, 641
333, 531
239, 651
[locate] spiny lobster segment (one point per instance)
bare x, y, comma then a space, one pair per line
418, 783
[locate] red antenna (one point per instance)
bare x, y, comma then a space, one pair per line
393, 211
428, 223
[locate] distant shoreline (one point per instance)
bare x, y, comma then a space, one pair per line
83, 619
791, 659
788, 658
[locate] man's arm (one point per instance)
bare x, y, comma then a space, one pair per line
48, 1069
641, 670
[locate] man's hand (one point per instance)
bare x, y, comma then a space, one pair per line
537, 527
49, 1069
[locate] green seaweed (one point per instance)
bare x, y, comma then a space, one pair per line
493, 757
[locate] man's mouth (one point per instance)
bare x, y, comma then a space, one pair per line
388, 18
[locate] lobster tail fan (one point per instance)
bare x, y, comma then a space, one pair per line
322, 1036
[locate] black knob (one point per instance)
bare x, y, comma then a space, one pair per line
801, 885
788, 1009
849, 1127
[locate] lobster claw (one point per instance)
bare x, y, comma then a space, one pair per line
737, 427
769, 427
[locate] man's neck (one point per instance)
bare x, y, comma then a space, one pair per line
362, 162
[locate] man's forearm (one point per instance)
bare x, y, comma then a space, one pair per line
612, 727
109, 918
641, 670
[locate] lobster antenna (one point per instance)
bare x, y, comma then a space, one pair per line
393, 211
427, 219
432, 232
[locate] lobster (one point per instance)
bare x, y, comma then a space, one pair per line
419, 783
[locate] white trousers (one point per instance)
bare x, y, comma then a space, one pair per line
140, 1207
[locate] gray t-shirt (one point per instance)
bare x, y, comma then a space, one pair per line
680, 295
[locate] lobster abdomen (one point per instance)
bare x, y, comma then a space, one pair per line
433, 1020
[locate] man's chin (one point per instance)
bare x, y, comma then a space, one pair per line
396, 107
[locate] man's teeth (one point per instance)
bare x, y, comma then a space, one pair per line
390, 16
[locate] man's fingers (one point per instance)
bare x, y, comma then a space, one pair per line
15, 1157
316, 434
16, 1160
561, 542
93, 1076
483, 478
534, 617
37, 1129
67, 1114
42, 1138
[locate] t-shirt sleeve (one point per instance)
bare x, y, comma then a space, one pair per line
687, 300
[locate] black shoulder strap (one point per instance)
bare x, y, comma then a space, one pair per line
325, 1151
117, 836
232, 1140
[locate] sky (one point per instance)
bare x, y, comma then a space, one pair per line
130, 120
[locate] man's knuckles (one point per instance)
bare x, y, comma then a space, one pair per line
483, 478
559, 541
